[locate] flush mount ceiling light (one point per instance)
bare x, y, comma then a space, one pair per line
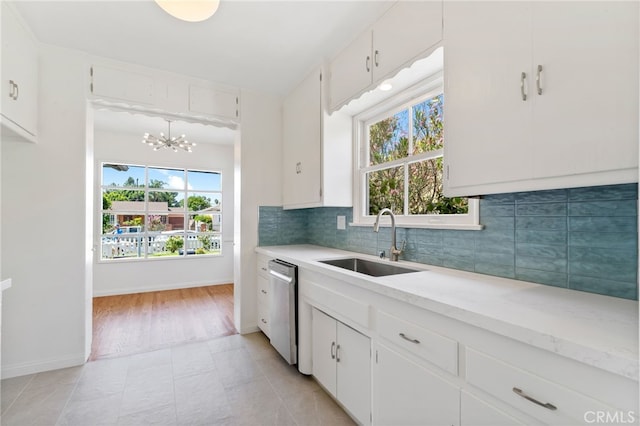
190, 10
174, 143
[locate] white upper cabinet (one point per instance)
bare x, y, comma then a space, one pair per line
131, 87
213, 102
162, 92
316, 149
540, 95
19, 79
404, 33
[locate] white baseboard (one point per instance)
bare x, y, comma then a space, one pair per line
146, 289
32, 367
249, 330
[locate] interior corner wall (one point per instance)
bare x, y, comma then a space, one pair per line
122, 277
258, 159
43, 223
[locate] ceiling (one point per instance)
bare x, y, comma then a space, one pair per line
266, 46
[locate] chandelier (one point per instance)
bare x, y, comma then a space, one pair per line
168, 141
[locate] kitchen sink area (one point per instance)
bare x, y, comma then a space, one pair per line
368, 267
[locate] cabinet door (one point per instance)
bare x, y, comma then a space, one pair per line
353, 359
407, 29
406, 393
218, 103
132, 87
351, 71
475, 412
19, 75
487, 122
301, 147
586, 119
324, 345
263, 304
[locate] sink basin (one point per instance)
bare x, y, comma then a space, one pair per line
375, 269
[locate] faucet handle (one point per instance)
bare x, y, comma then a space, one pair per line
381, 254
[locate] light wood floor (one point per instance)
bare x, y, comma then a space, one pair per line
143, 322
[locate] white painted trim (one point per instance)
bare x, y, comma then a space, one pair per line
426, 226
250, 329
32, 367
130, 290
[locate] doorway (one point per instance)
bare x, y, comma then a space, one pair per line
144, 299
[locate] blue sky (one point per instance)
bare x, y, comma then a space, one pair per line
175, 179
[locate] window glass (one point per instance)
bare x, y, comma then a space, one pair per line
122, 175
386, 189
152, 212
388, 138
166, 178
204, 181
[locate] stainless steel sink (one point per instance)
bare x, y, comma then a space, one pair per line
375, 269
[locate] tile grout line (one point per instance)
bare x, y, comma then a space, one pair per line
18, 395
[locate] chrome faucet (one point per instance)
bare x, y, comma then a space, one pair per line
394, 252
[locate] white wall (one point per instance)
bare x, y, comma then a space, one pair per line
120, 277
258, 157
43, 199
45, 316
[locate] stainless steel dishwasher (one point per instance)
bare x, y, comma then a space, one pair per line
283, 309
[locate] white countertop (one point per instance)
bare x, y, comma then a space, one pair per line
601, 331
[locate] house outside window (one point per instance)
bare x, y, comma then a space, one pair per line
158, 212
399, 162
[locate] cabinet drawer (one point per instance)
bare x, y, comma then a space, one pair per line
263, 263
263, 319
342, 307
533, 395
426, 344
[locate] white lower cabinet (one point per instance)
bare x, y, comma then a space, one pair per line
342, 364
262, 276
476, 412
406, 393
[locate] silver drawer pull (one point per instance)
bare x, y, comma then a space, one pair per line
546, 405
416, 341
263, 268
263, 320
523, 77
263, 292
333, 348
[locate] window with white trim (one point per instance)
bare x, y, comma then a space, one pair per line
399, 163
159, 212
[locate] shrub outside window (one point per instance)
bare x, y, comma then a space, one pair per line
400, 164
156, 212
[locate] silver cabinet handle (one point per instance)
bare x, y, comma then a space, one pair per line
263, 268
263, 320
523, 77
338, 353
17, 92
538, 77
263, 292
366, 63
375, 58
333, 348
12, 89
546, 405
404, 336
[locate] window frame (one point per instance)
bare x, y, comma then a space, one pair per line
146, 213
425, 89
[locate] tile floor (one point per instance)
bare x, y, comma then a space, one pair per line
234, 380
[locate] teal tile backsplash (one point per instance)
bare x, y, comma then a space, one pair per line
580, 238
